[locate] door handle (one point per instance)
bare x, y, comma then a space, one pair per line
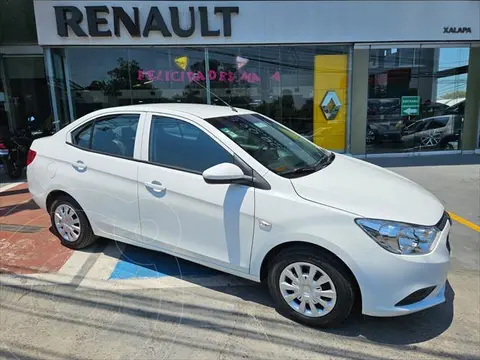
79, 165
155, 186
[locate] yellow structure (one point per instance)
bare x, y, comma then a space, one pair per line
331, 74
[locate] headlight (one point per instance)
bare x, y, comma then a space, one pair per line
400, 238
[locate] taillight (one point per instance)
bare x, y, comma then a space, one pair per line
31, 156
2, 146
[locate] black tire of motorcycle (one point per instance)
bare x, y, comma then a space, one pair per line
13, 171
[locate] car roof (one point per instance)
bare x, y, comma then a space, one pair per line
199, 110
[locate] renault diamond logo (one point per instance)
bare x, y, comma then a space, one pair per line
330, 105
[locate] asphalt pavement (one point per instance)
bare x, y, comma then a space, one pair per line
120, 302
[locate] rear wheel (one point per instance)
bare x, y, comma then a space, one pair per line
311, 287
70, 223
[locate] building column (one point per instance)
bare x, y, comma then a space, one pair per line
47, 55
359, 98
6, 94
472, 106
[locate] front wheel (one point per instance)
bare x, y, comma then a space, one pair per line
371, 137
311, 287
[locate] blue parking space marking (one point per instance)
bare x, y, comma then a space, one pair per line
141, 263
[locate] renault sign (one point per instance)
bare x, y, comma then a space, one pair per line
330, 105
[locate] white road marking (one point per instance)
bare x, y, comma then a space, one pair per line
9, 186
74, 264
98, 276
106, 262
64, 276
164, 282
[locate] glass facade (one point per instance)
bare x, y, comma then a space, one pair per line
416, 96
416, 99
4, 126
28, 97
281, 82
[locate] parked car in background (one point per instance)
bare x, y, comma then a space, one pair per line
378, 132
438, 132
3, 153
234, 190
456, 109
384, 122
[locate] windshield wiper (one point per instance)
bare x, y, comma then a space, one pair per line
300, 170
325, 161
322, 163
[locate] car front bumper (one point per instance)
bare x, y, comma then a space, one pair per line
403, 284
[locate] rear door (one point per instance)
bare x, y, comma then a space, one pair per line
180, 212
102, 173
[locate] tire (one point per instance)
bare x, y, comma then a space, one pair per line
85, 235
13, 171
343, 285
448, 146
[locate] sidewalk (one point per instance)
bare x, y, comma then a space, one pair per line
26, 244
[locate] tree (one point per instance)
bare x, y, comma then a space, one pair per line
454, 95
124, 76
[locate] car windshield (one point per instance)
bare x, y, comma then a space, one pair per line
455, 109
273, 145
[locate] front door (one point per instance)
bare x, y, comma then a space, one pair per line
182, 214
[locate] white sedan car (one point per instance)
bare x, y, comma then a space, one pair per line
236, 191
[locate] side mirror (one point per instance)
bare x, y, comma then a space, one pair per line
226, 173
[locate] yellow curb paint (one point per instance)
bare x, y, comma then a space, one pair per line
465, 222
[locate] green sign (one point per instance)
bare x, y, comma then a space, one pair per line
410, 105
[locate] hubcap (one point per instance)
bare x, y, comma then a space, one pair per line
307, 289
67, 223
370, 137
431, 139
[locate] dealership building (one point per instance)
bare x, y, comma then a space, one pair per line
368, 78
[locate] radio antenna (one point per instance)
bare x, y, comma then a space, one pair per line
212, 93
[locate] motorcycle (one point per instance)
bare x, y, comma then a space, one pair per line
14, 149
3, 153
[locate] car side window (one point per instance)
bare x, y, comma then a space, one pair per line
181, 145
81, 137
437, 123
113, 135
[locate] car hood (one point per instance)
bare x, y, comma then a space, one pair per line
370, 191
